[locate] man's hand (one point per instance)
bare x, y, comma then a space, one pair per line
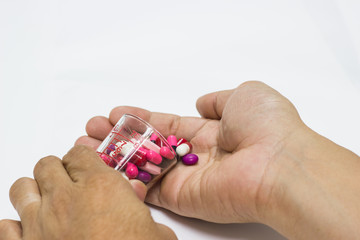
79, 197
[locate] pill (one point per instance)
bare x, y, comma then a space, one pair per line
181, 141
151, 168
154, 157
153, 138
166, 152
131, 170
144, 176
152, 146
105, 158
123, 147
139, 157
190, 159
110, 148
172, 141
183, 149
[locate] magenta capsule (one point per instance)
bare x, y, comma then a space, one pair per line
110, 148
131, 170
190, 159
166, 152
144, 176
154, 157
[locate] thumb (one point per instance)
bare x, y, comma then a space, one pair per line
139, 188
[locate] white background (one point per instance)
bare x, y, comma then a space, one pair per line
62, 62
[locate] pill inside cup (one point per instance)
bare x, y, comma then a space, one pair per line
138, 150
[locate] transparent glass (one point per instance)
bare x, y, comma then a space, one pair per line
137, 150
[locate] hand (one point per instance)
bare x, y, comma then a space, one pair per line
238, 139
79, 198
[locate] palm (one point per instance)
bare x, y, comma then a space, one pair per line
235, 148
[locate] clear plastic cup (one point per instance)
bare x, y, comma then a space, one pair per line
137, 150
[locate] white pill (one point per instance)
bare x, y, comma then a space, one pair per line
182, 149
123, 147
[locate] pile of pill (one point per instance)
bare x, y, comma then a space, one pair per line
147, 160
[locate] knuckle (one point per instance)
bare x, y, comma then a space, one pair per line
80, 140
76, 151
251, 83
43, 162
18, 184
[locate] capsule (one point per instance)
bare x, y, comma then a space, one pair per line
153, 156
172, 141
166, 152
190, 159
151, 168
183, 149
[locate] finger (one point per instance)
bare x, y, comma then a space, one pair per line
98, 127
88, 141
212, 105
166, 124
166, 232
10, 230
139, 188
50, 173
81, 161
26, 199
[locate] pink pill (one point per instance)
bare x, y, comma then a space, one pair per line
152, 146
166, 152
131, 170
153, 137
151, 168
105, 158
190, 159
172, 141
153, 157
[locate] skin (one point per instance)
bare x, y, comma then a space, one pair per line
258, 162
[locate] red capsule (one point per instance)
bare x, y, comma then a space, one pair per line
181, 141
139, 158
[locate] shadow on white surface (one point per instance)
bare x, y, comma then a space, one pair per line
190, 228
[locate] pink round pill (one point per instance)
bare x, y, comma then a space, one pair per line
190, 159
131, 170
105, 158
